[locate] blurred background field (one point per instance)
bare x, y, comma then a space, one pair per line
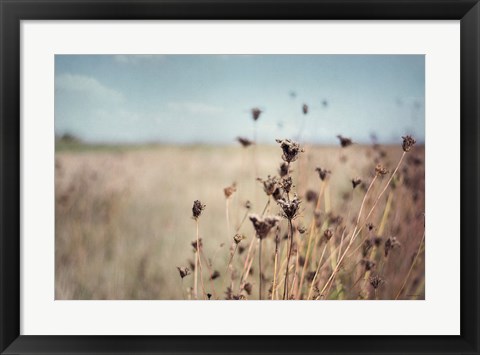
124, 220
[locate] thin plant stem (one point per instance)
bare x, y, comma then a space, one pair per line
290, 242
260, 290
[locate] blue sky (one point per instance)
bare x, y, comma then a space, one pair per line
207, 98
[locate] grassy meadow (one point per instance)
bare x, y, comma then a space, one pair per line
124, 223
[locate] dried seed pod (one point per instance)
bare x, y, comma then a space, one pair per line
245, 142
184, 271
215, 275
230, 190
344, 142
238, 238
197, 208
380, 170
256, 113
283, 170
356, 182
263, 225
305, 109
408, 143
322, 173
290, 149
328, 234
290, 208
376, 281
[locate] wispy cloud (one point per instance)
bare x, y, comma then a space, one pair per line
194, 108
87, 86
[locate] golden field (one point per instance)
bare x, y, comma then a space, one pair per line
124, 223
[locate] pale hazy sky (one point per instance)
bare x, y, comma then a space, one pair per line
207, 98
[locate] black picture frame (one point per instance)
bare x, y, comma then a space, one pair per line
12, 12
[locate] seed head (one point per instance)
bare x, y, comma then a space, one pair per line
287, 184
229, 190
376, 281
245, 142
197, 208
283, 170
195, 245
290, 208
263, 225
356, 182
269, 185
256, 113
380, 170
291, 149
305, 109
184, 271
328, 234
344, 142
369, 264
214, 275
247, 205
238, 238
322, 173
408, 143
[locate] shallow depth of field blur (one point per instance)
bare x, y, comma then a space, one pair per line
140, 138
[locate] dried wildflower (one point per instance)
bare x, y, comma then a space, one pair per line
238, 238
263, 225
239, 297
247, 205
214, 275
248, 288
184, 271
245, 142
311, 196
290, 149
391, 243
277, 194
369, 264
356, 182
322, 173
305, 109
195, 246
287, 184
377, 240
344, 142
230, 190
256, 113
408, 143
290, 208
269, 185
376, 281
328, 234
197, 208
283, 170
380, 170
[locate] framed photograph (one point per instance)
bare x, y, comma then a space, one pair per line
239, 177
